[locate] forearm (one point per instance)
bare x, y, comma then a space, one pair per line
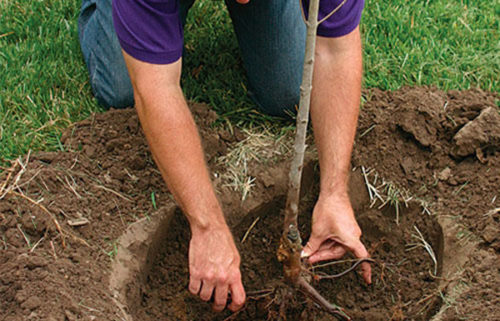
176, 147
335, 107
175, 144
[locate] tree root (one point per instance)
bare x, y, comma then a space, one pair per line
279, 296
331, 308
335, 276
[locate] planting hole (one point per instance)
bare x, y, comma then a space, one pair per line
408, 257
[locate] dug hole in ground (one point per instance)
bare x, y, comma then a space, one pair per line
91, 232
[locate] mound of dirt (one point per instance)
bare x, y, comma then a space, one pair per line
443, 148
62, 213
104, 181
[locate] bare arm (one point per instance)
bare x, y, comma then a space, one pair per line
176, 147
335, 106
334, 113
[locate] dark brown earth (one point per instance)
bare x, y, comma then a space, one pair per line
449, 156
442, 148
165, 293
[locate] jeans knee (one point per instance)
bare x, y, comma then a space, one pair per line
112, 90
282, 102
115, 99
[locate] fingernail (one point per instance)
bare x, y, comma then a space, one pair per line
303, 254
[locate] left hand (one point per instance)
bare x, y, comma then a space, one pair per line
335, 231
243, 1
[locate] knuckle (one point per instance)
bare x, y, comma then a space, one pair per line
235, 275
195, 275
209, 276
222, 278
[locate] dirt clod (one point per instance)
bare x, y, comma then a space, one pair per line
481, 133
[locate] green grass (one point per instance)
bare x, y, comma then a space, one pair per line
43, 81
450, 44
44, 86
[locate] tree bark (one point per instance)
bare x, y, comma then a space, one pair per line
291, 244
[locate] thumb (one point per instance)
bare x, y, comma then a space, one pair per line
311, 247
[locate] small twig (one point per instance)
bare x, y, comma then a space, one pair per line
302, 12
325, 18
334, 276
36, 244
426, 246
6, 189
26, 239
331, 13
458, 190
367, 131
259, 294
249, 229
372, 190
493, 212
333, 309
6, 34
46, 211
367, 183
89, 308
112, 191
11, 170
62, 232
45, 184
29, 180
53, 250
71, 187
317, 266
235, 314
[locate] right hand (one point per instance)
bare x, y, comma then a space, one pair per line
334, 232
214, 267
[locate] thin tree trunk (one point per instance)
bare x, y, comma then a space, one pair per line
291, 244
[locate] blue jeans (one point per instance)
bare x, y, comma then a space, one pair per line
270, 33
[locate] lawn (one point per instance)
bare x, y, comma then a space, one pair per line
44, 86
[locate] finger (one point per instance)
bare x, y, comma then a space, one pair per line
237, 296
333, 253
367, 272
194, 285
311, 247
207, 289
220, 297
360, 252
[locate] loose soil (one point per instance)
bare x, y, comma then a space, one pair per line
121, 249
403, 276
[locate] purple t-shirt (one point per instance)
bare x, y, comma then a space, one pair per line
151, 30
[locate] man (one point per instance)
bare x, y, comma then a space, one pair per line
271, 36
